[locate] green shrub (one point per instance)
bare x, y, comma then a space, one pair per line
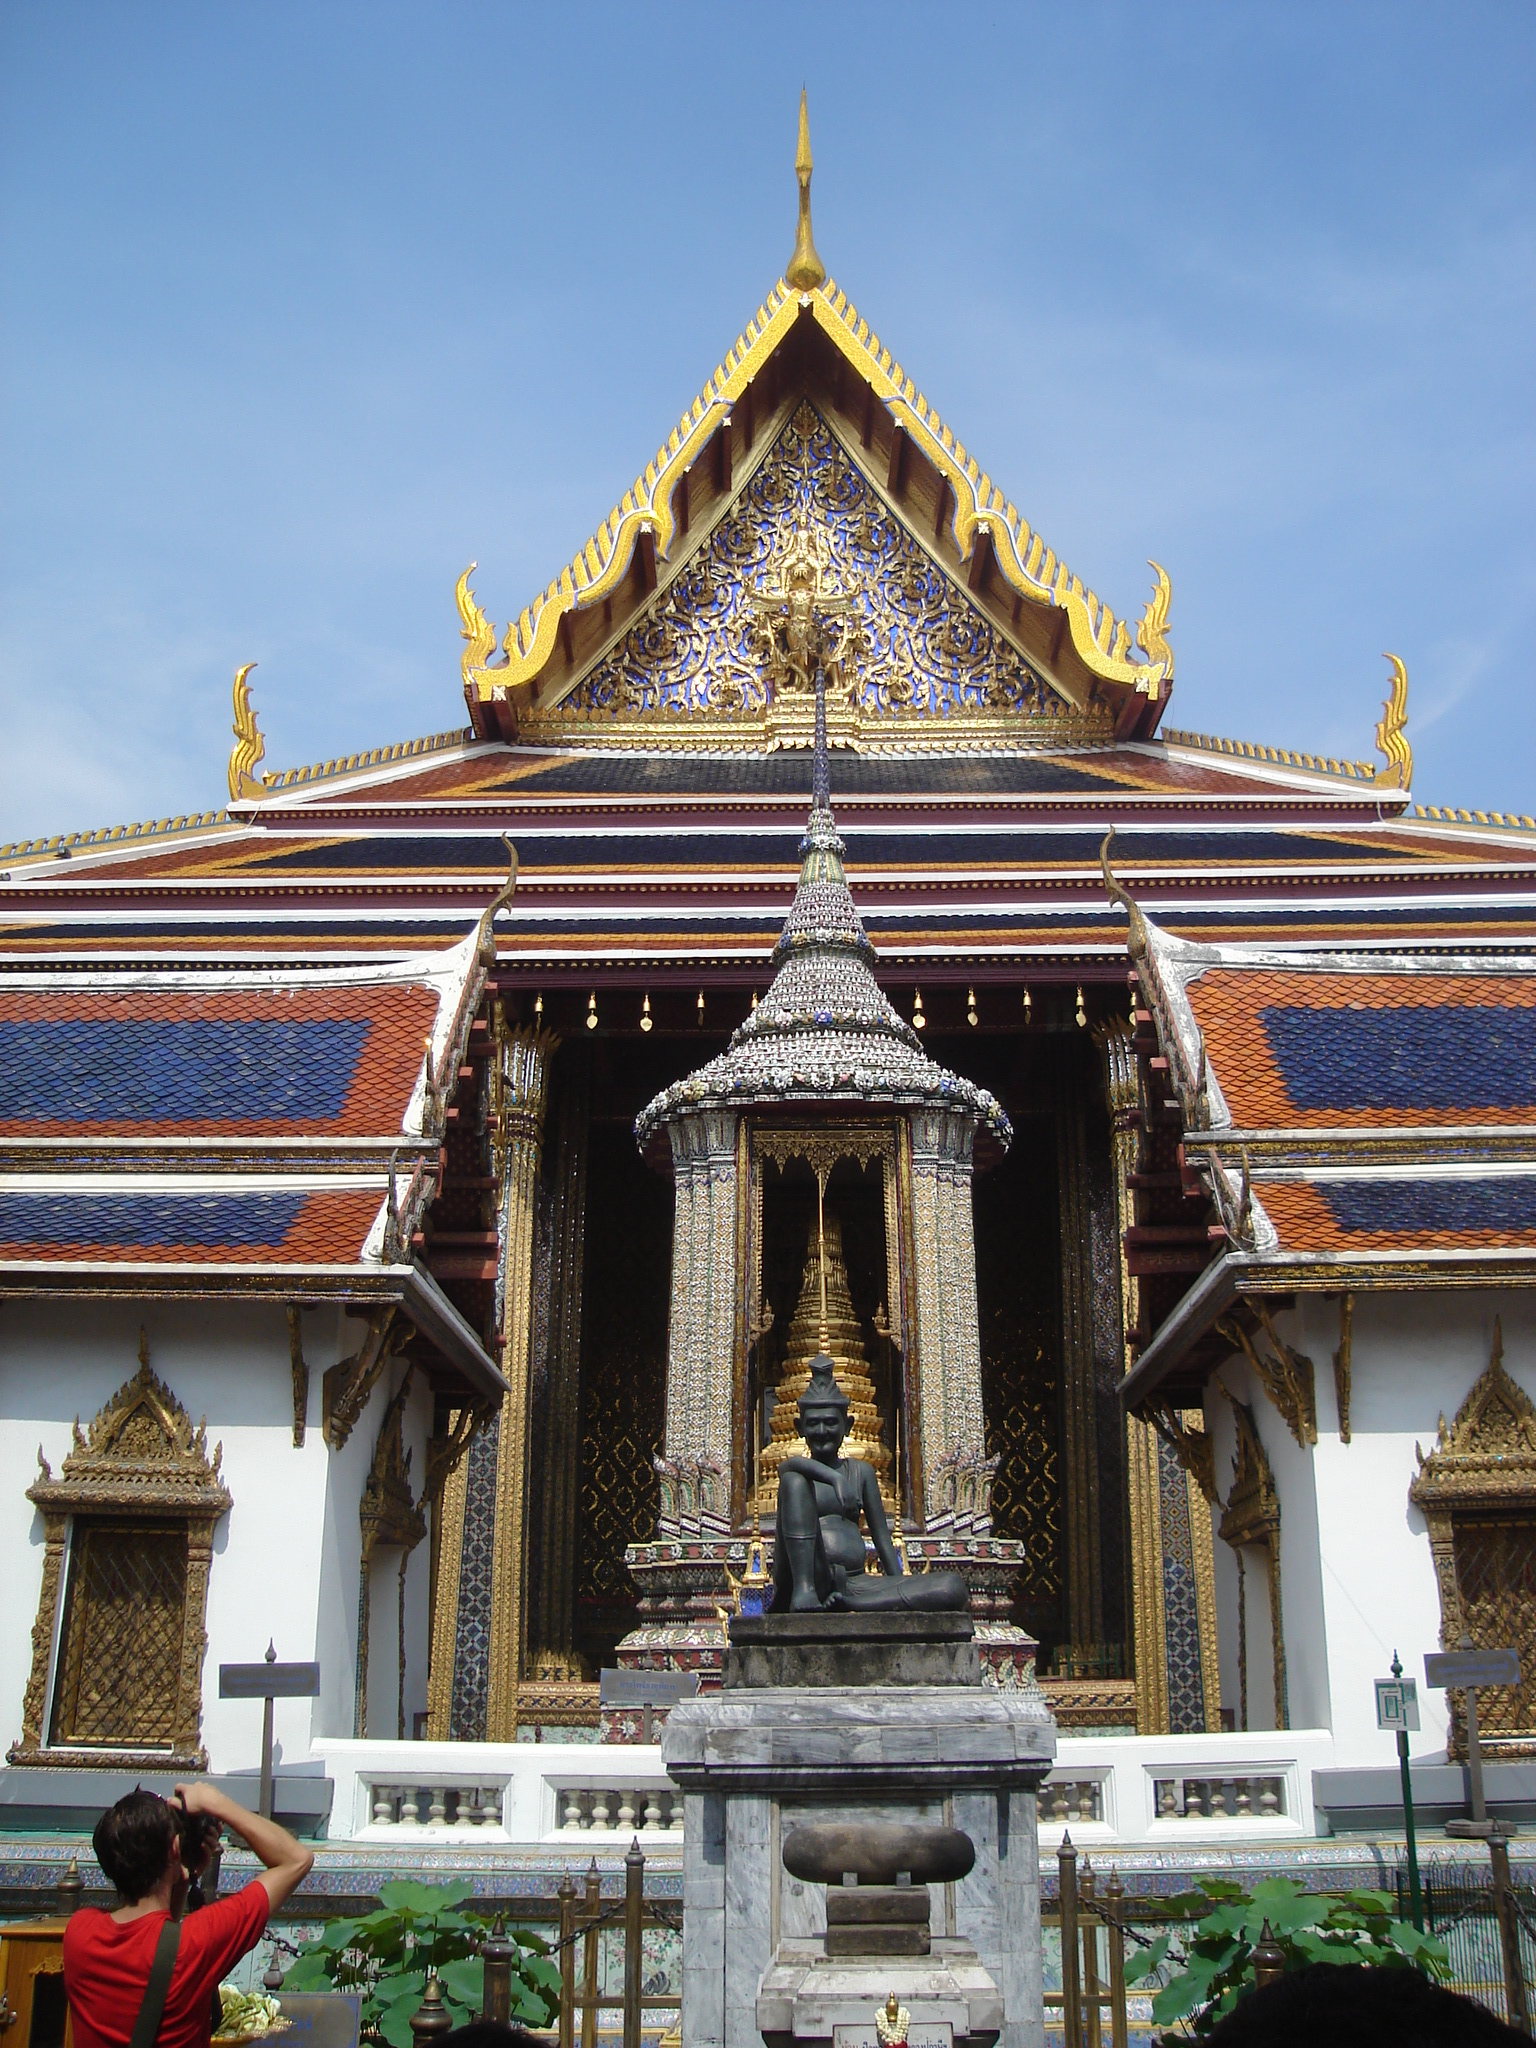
388, 1954
1213, 1964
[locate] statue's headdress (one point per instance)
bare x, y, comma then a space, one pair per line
823, 1390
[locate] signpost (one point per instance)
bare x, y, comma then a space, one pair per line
266, 1682
1470, 1669
1397, 1707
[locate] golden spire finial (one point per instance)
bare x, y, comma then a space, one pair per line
806, 269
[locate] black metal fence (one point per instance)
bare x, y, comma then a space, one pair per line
1462, 1907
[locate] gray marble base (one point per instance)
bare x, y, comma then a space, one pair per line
809, 2000
753, 1764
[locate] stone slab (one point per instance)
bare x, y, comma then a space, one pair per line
807, 1996
851, 1744
887, 1939
877, 1905
851, 1649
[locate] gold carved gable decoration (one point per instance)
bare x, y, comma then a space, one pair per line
1487, 1458
715, 652
141, 1452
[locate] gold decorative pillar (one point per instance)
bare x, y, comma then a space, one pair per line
1143, 1503
1079, 1434
520, 1091
559, 1373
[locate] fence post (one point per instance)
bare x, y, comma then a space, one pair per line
1509, 1934
1114, 1900
1268, 1960
634, 1911
431, 2016
591, 1910
496, 1984
1089, 1926
1066, 1887
567, 1898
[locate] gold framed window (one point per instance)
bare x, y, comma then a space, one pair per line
1477, 1493
120, 1635
132, 1516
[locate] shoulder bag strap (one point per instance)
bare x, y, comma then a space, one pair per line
147, 2026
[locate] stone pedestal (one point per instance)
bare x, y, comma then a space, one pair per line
758, 1759
810, 2000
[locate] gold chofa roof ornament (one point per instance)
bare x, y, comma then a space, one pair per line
806, 269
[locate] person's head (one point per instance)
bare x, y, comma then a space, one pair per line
823, 1411
138, 1843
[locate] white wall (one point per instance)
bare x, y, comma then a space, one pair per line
285, 1558
1357, 1578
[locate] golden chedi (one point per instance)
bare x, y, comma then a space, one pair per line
845, 1343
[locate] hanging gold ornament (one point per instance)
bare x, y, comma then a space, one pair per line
1082, 1014
971, 1016
918, 1019
592, 1011
645, 1014
1027, 1008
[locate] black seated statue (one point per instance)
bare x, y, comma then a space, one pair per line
818, 1547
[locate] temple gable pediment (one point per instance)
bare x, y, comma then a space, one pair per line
712, 655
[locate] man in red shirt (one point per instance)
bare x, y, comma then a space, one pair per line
141, 1844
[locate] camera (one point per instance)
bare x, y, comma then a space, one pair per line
197, 1837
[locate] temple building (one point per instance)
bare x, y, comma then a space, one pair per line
426, 1179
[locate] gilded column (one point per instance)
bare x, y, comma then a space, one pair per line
1143, 1494
1080, 1451
560, 1381
523, 1068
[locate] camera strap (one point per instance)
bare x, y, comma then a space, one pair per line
147, 2026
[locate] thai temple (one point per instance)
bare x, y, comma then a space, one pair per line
427, 1179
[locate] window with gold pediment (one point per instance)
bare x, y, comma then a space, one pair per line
128, 1527
1477, 1490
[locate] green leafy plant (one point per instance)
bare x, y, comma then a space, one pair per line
1212, 1966
418, 1928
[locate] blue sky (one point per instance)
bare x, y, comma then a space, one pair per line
304, 307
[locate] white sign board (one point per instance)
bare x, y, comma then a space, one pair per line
1397, 1704
1472, 1667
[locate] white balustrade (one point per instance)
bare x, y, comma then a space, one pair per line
489, 1794
1104, 1789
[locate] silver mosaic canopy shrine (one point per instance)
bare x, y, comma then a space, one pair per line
825, 1033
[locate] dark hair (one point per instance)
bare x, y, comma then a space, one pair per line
1354, 2006
133, 1841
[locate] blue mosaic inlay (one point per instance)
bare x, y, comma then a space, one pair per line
1445, 1057
1427, 1206
191, 1070
149, 1220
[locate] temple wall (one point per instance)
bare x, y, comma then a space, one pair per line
1357, 1577
285, 1558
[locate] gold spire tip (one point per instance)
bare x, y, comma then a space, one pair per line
806, 269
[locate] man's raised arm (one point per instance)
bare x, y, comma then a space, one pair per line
288, 1861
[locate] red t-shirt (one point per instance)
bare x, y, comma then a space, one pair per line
107, 1964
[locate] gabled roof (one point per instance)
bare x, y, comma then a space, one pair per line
814, 342
1357, 1121
235, 1132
